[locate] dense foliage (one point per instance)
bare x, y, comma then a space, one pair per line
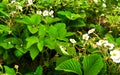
60, 37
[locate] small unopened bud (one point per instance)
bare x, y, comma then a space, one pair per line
9, 32
9, 42
16, 67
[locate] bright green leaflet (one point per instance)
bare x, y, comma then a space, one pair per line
71, 65
92, 64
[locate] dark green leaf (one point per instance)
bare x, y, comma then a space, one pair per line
5, 55
33, 52
18, 53
2, 13
38, 71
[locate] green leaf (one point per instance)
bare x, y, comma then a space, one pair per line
9, 71
38, 71
5, 55
49, 20
70, 33
31, 40
6, 45
52, 32
72, 16
118, 41
40, 45
42, 32
79, 24
2, 13
71, 65
32, 29
71, 51
35, 19
26, 20
61, 59
109, 37
61, 30
18, 53
50, 43
92, 64
4, 28
33, 52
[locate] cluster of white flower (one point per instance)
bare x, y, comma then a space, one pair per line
105, 43
115, 56
45, 13
86, 36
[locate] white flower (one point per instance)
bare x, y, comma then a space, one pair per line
104, 5
13, 12
39, 12
85, 36
45, 13
19, 7
116, 60
115, 56
51, 13
13, 1
72, 41
96, 1
101, 42
30, 2
91, 30
63, 50
109, 45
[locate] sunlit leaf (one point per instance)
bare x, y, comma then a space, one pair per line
118, 41
49, 20
42, 32
32, 29
35, 19
61, 29
71, 65
40, 45
92, 64
31, 40
9, 71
